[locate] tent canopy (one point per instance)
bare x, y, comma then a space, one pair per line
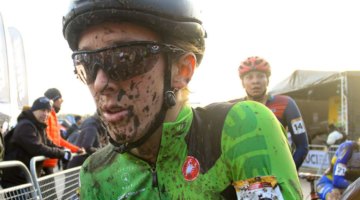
312, 91
314, 85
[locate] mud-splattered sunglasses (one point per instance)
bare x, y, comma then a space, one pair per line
120, 62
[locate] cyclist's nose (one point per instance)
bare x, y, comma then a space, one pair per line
103, 84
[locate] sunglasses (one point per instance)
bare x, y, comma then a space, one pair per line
120, 62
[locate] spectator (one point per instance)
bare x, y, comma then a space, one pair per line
92, 136
53, 129
74, 128
254, 73
28, 139
137, 58
344, 169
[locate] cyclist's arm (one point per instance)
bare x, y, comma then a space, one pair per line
256, 149
298, 133
343, 156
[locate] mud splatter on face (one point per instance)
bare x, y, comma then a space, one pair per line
132, 85
120, 94
127, 90
154, 97
146, 109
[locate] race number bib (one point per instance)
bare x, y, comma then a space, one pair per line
340, 170
298, 126
265, 187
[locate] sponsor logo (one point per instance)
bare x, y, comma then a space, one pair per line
191, 168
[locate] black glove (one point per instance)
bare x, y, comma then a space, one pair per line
67, 155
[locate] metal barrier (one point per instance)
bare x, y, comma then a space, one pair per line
60, 185
23, 191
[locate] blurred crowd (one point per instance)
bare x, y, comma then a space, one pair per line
65, 142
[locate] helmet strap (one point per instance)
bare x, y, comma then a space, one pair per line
168, 102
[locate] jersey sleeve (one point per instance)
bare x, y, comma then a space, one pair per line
297, 129
255, 148
343, 155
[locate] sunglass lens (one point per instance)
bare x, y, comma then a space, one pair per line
86, 67
119, 63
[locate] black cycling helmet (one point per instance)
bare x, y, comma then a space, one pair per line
175, 17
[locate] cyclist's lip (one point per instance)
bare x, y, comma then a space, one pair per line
256, 88
115, 114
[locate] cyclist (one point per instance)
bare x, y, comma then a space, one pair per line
344, 169
254, 73
137, 58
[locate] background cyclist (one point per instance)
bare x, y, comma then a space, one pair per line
254, 73
344, 169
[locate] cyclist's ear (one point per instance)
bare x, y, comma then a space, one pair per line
183, 70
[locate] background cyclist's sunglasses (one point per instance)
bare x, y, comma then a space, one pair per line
120, 62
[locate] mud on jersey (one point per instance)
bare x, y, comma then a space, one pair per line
196, 162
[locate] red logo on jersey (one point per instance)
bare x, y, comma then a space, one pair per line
191, 168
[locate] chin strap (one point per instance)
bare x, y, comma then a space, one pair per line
169, 101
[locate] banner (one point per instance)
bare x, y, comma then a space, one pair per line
4, 69
317, 159
20, 68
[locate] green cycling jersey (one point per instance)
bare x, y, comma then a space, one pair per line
250, 144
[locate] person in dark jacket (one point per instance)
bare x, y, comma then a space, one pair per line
74, 128
92, 137
28, 140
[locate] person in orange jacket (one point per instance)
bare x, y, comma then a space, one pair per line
53, 130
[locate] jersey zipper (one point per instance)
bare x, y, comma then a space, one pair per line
154, 176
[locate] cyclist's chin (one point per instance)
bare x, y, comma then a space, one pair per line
122, 133
257, 95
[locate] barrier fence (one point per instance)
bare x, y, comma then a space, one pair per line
23, 191
60, 185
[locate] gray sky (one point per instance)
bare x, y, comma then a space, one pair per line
313, 35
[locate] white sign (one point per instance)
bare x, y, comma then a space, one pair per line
317, 159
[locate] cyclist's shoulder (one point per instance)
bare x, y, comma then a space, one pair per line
280, 97
347, 145
237, 100
249, 105
231, 106
101, 158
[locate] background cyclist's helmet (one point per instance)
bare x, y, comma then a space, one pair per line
177, 18
254, 64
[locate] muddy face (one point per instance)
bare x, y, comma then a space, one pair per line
127, 107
